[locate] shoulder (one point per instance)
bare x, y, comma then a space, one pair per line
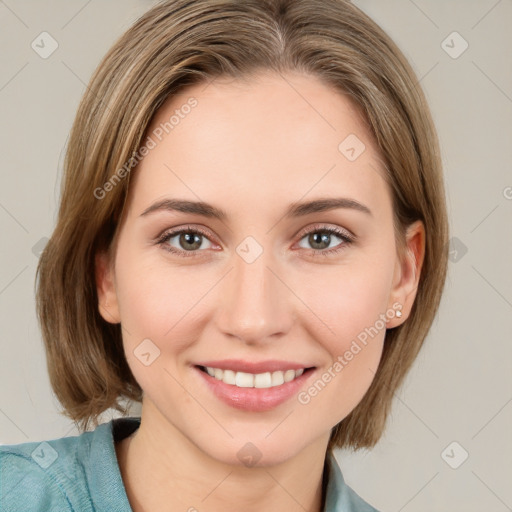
28, 483
70, 474
46, 476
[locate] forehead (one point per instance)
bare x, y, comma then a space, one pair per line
229, 139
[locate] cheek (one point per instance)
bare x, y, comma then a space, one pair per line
155, 299
352, 301
348, 301
156, 303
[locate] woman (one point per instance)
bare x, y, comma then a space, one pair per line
257, 190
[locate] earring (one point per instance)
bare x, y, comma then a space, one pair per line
398, 313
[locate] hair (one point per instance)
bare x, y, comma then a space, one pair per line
178, 43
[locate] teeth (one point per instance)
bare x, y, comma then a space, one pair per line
243, 380
277, 378
250, 380
289, 375
229, 377
263, 380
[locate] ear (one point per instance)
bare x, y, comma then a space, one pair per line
407, 273
105, 286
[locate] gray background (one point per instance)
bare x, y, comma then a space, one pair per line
460, 389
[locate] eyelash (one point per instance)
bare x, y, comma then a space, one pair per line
345, 236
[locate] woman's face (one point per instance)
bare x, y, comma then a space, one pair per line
265, 288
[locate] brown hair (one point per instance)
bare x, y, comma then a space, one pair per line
183, 42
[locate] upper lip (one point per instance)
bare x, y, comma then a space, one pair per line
239, 365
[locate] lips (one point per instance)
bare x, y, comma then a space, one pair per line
231, 382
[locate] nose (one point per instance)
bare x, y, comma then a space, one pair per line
255, 305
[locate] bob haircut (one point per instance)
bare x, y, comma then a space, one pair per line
183, 42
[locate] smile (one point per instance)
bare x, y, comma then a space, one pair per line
251, 380
254, 386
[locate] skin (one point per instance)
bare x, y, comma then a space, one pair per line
251, 148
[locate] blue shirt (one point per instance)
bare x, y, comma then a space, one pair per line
81, 474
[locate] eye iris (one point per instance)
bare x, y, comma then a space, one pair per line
319, 239
193, 239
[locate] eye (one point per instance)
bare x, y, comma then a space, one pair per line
185, 241
320, 238
188, 241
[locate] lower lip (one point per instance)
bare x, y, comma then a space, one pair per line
254, 399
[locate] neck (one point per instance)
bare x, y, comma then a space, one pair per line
163, 470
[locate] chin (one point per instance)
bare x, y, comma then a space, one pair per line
258, 452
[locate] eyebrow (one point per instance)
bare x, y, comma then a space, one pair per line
294, 210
